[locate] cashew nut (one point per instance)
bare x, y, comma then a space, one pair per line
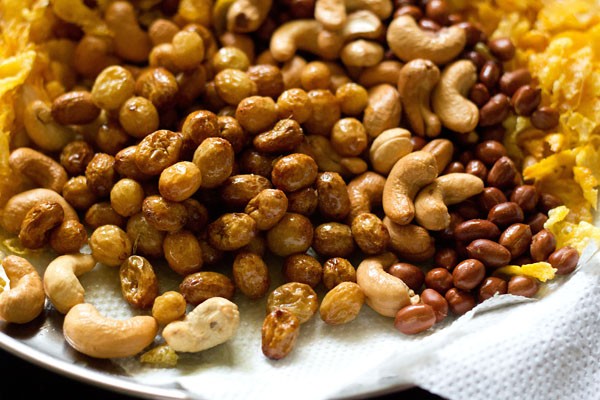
442, 150
332, 14
17, 207
383, 110
24, 301
384, 293
303, 34
410, 242
95, 335
41, 169
60, 280
387, 71
39, 124
415, 83
212, 322
408, 41
407, 177
244, 16
361, 53
430, 204
362, 24
449, 98
365, 192
387, 148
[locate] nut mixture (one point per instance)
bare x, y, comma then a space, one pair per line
361, 147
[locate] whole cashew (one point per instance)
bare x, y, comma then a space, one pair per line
383, 111
17, 207
332, 14
362, 24
303, 34
95, 335
246, 16
212, 322
60, 280
365, 192
442, 150
24, 301
410, 242
387, 71
408, 41
361, 53
407, 177
387, 148
430, 204
415, 83
384, 293
449, 99
38, 167
39, 124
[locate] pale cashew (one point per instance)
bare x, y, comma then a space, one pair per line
365, 192
442, 150
41, 169
407, 177
303, 34
384, 293
41, 128
387, 71
24, 301
95, 335
410, 242
431, 211
212, 322
387, 148
383, 110
17, 207
449, 99
408, 41
60, 280
332, 14
361, 53
244, 16
362, 24
415, 83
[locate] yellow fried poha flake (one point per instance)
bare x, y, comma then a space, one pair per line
541, 271
161, 356
569, 233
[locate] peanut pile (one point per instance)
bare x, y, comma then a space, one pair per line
357, 143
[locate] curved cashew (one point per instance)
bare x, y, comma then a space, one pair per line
41, 127
387, 148
17, 207
384, 293
212, 322
383, 110
24, 301
407, 177
335, 14
449, 99
365, 192
362, 24
387, 71
408, 41
361, 53
244, 16
382, 8
411, 242
303, 34
95, 335
38, 167
430, 204
442, 150
60, 280
415, 83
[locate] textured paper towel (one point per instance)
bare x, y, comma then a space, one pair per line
508, 347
